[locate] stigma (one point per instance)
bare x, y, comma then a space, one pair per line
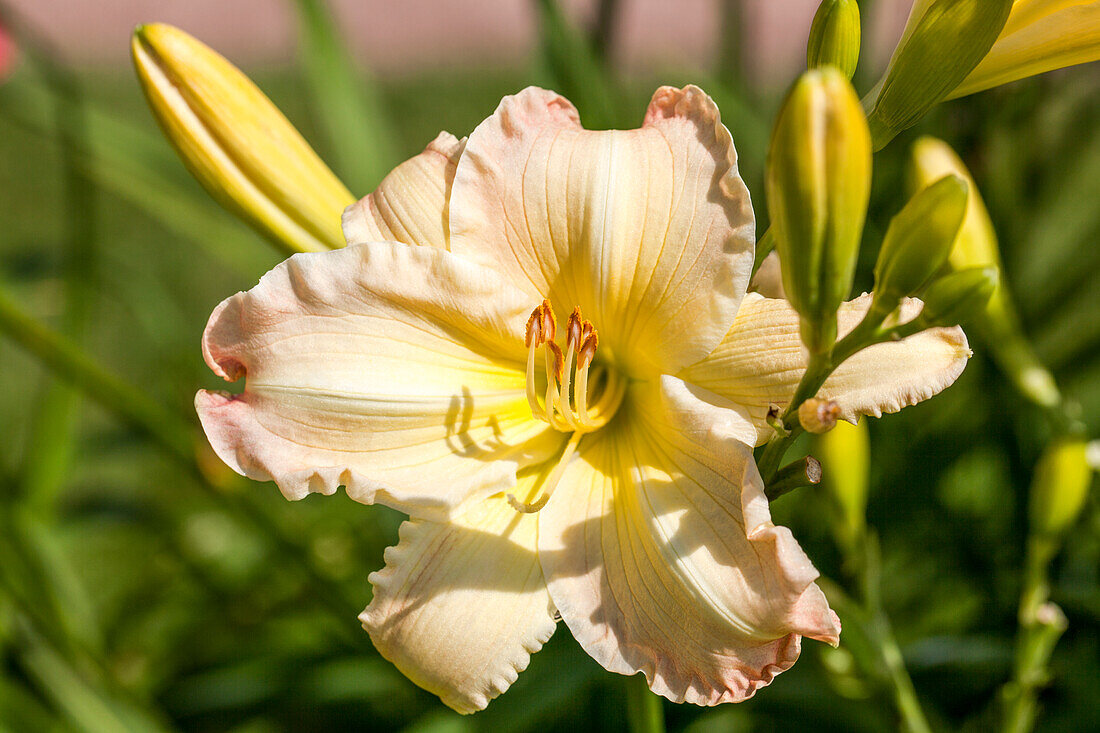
565, 404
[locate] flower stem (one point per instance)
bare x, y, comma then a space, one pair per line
868, 332
74, 365
905, 695
644, 711
1041, 626
178, 437
764, 247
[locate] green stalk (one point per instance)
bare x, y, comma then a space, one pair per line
50, 444
731, 48
867, 618
75, 366
356, 121
764, 247
644, 710
1041, 626
905, 695
177, 437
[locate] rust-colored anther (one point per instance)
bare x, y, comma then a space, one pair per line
573, 333
549, 327
532, 334
559, 360
587, 352
586, 329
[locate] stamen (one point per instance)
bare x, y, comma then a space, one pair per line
555, 366
551, 481
532, 338
549, 326
588, 349
532, 334
563, 403
580, 391
573, 329
581, 342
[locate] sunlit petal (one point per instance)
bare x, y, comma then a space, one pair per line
660, 553
396, 371
649, 231
761, 361
1040, 36
461, 606
410, 205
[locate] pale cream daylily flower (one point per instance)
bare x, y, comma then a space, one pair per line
1039, 36
598, 466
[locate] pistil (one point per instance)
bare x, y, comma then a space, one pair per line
550, 482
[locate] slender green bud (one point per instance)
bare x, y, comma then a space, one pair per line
942, 43
959, 297
844, 453
818, 182
237, 144
919, 240
834, 37
976, 246
1060, 486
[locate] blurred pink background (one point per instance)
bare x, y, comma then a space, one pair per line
399, 35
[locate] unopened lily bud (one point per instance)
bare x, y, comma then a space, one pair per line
976, 243
237, 144
844, 453
1060, 486
818, 416
1039, 36
919, 239
818, 183
942, 43
958, 297
835, 36
976, 246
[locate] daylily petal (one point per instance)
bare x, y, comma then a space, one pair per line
761, 361
1038, 37
410, 205
660, 553
395, 371
649, 231
461, 607
768, 280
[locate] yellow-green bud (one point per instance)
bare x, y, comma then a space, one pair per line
835, 36
237, 144
1060, 486
818, 182
976, 246
844, 453
918, 240
958, 297
942, 43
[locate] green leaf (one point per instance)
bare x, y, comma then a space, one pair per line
136, 165
351, 110
567, 56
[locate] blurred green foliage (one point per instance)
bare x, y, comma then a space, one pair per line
136, 595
